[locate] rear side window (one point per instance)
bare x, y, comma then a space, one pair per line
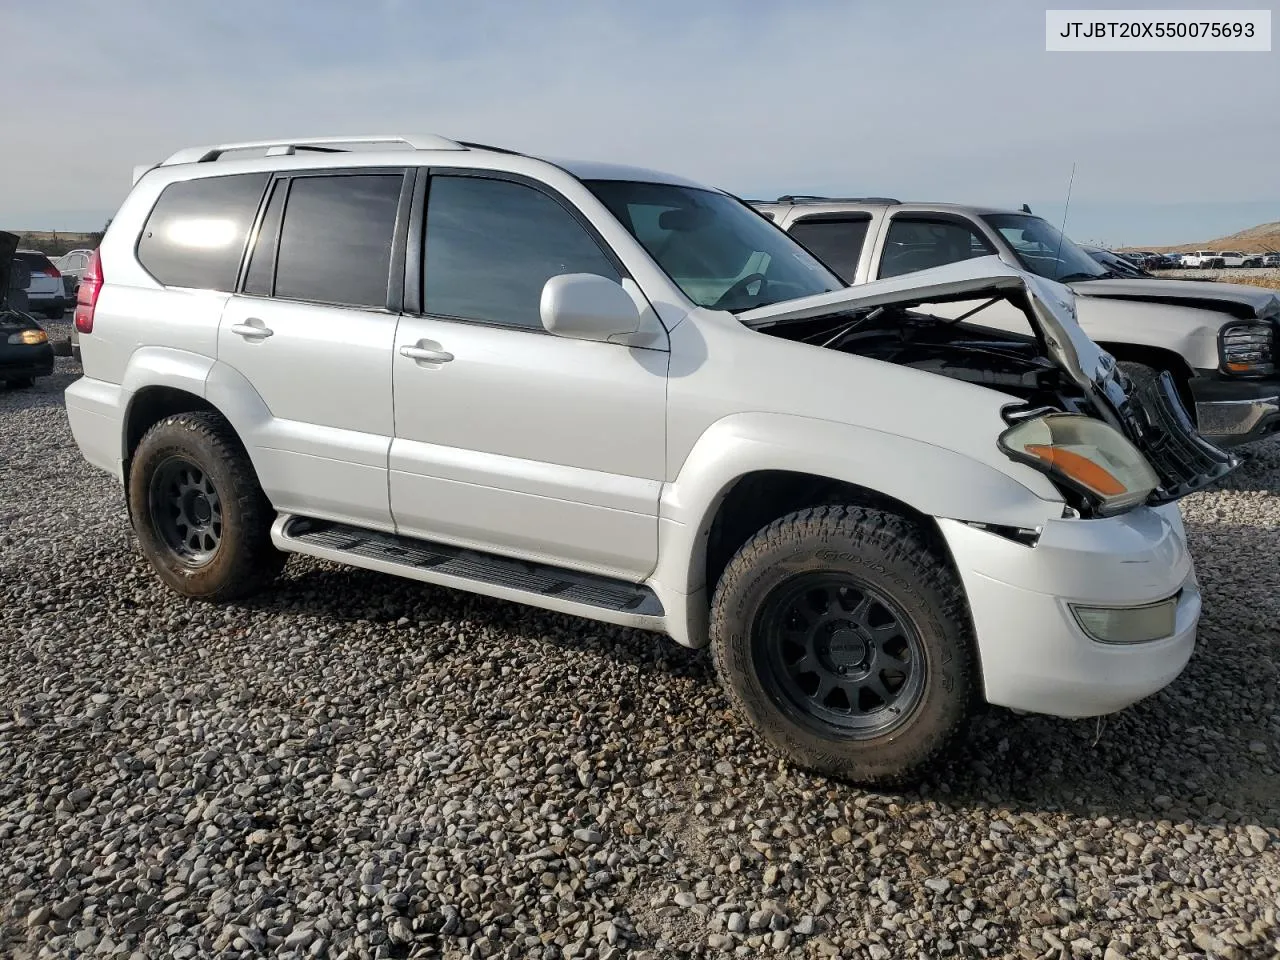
196, 232
35, 261
335, 242
836, 241
917, 244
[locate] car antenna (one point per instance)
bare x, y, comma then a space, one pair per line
1025, 208
1062, 234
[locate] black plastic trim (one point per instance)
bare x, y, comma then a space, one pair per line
537, 579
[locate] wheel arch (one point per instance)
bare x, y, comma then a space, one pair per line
750, 469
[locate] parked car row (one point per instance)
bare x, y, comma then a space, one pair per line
619, 394
1219, 259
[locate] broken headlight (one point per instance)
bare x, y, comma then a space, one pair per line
1087, 456
1248, 349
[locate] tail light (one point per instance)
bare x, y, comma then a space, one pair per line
87, 294
52, 271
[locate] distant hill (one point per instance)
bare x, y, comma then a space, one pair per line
1263, 238
55, 243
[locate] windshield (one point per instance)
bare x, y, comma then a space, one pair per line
1043, 250
722, 254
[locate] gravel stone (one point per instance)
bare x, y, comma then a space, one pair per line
355, 766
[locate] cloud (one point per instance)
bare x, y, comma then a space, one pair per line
924, 100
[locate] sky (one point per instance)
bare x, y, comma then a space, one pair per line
916, 99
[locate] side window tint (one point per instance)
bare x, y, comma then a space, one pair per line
916, 244
836, 241
195, 234
262, 261
335, 242
491, 246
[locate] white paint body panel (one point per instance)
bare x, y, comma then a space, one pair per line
543, 447
612, 457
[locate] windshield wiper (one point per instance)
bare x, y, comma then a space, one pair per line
1069, 277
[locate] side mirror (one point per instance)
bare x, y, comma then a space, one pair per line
587, 307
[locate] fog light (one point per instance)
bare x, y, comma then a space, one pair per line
1153, 621
30, 337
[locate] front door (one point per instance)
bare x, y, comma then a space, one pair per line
507, 438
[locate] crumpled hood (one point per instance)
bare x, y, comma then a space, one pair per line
1237, 299
1052, 304
8, 244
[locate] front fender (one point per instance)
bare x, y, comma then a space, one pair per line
1188, 331
934, 480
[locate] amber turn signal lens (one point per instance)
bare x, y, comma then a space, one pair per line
1078, 468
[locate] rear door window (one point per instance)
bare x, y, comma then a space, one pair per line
918, 243
196, 232
336, 238
835, 240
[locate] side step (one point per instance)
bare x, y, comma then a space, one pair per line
542, 585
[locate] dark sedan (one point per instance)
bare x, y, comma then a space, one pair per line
25, 351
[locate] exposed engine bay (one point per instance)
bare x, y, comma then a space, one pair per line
1151, 415
912, 338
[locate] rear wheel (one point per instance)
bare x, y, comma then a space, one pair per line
201, 518
843, 637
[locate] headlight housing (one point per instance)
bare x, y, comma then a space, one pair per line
1085, 455
30, 337
1248, 349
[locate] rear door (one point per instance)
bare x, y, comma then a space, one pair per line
311, 331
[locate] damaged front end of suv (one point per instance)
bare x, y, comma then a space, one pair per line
1108, 442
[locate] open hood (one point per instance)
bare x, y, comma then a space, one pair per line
1051, 306
1237, 299
8, 245
1151, 416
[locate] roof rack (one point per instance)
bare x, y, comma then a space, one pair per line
812, 198
284, 148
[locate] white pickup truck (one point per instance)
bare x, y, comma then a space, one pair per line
1216, 340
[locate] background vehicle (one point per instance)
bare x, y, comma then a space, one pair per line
1217, 340
1205, 259
615, 393
25, 352
45, 293
1233, 258
1271, 259
72, 266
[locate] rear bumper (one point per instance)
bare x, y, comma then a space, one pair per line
21, 362
1033, 653
1232, 412
95, 410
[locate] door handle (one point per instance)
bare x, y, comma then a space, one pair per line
425, 353
253, 330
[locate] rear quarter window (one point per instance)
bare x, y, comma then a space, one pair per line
195, 235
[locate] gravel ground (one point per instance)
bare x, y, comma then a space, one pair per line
1258, 276
354, 765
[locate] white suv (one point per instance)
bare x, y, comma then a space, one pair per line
617, 394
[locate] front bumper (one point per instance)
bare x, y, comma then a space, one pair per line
1034, 656
1231, 412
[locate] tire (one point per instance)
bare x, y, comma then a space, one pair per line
885, 563
200, 516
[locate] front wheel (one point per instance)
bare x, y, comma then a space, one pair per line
843, 637
201, 518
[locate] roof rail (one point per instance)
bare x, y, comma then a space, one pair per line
811, 198
283, 148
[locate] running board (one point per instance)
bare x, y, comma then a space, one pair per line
537, 584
